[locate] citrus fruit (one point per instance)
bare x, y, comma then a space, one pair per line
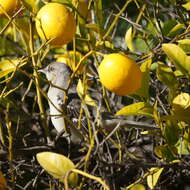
56, 23
120, 74
9, 6
71, 58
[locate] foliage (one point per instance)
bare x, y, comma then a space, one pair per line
153, 33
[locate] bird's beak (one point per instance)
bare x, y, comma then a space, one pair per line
42, 71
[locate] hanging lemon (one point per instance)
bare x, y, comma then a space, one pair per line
120, 74
56, 23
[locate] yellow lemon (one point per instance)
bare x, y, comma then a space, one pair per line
56, 23
120, 74
9, 6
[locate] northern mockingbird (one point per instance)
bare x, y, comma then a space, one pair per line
63, 100
64, 104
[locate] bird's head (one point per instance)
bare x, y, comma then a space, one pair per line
56, 72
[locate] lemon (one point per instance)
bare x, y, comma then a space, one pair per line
9, 6
120, 74
56, 23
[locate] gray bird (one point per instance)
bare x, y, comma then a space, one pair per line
64, 107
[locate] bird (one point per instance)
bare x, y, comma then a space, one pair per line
64, 102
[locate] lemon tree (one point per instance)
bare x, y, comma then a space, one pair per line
120, 74
128, 95
56, 23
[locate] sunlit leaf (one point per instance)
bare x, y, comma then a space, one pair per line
3, 182
183, 147
172, 28
84, 95
181, 104
180, 108
178, 57
138, 187
144, 89
185, 45
166, 75
129, 39
57, 165
186, 6
178, 73
140, 108
153, 177
184, 41
8, 66
176, 30
168, 25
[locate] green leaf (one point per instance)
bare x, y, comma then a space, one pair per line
166, 75
177, 117
138, 187
185, 45
178, 57
144, 90
141, 45
168, 26
183, 147
129, 39
171, 132
176, 30
152, 178
140, 108
24, 26
166, 152
57, 165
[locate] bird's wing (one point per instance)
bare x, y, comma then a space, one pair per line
74, 109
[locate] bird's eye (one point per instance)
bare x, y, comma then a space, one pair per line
50, 69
